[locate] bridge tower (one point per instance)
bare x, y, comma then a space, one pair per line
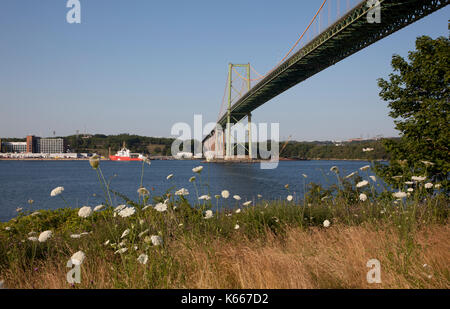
229, 148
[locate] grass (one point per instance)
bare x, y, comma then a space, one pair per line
268, 244
277, 245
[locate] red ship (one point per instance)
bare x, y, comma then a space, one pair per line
125, 155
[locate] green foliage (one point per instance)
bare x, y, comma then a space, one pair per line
100, 143
418, 96
329, 150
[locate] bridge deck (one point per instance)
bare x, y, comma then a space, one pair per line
345, 37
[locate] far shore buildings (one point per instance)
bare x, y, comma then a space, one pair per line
35, 145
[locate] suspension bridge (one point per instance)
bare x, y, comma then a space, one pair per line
339, 29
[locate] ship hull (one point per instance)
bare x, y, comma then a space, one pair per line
117, 158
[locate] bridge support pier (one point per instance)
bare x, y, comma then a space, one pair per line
250, 143
229, 149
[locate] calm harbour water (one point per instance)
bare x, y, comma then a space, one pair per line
24, 180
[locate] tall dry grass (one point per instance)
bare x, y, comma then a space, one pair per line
311, 258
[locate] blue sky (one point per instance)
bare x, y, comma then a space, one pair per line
140, 66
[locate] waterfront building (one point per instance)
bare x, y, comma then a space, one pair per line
15, 147
35, 144
51, 145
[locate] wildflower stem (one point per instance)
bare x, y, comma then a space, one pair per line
106, 185
102, 185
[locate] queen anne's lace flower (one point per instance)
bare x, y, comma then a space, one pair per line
208, 214
57, 191
143, 258
85, 212
44, 236
161, 207
197, 169
225, 194
362, 184
128, 211
78, 258
156, 240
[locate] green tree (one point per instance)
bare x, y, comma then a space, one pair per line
418, 96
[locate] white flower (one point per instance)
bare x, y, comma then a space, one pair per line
94, 161
125, 233
374, 179
409, 183
123, 250
334, 169
75, 236
428, 185
326, 223
107, 242
362, 184
33, 238
99, 207
350, 175
156, 240
418, 178
290, 198
143, 233
147, 206
438, 186
143, 191
8, 228
169, 176
304, 175
410, 190
182, 192
44, 236
36, 213
143, 258
161, 207
399, 194
259, 196
85, 212
204, 197
197, 169
237, 197
208, 214
225, 194
119, 208
19, 209
238, 211
129, 211
363, 197
427, 163
247, 203
78, 258
236, 227
365, 168
57, 191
